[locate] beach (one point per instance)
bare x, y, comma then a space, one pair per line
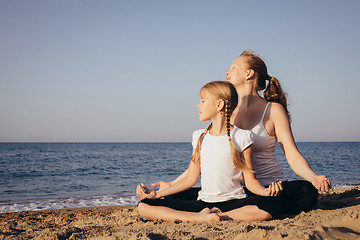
336, 216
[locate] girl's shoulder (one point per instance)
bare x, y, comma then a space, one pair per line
242, 138
199, 131
196, 134
239, 133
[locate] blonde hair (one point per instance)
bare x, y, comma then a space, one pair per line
225, 91
273, 91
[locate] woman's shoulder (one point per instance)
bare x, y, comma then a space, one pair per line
277, 111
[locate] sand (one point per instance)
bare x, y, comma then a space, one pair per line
337, 216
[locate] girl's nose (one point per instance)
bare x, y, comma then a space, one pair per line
226, 73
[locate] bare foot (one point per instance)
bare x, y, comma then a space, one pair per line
206, 215
216, 210
223, 217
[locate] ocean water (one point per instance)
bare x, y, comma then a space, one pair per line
36, 176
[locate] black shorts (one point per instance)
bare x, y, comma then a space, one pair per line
270, 205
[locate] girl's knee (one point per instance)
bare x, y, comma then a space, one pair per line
267, 216
142, 208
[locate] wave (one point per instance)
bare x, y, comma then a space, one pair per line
93, 201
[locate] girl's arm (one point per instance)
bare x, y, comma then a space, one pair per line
296, 161
162, 185
252, 183
186, 182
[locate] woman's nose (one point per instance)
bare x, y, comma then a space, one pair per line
226, 73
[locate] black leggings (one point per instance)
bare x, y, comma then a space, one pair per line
270, 205
297, 196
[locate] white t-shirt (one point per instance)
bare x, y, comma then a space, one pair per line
220, 180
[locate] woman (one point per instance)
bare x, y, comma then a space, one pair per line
269, 121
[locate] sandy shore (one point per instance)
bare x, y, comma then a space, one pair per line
337, 216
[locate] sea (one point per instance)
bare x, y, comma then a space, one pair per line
39, 176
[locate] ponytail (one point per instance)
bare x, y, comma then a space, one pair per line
274, 93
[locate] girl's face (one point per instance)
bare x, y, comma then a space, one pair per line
237, 74
208, 106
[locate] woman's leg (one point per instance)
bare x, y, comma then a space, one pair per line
298, 196
169, 214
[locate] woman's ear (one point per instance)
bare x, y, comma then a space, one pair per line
250, 73
220, 105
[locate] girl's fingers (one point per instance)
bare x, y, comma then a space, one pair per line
322, 187
280, 185
329, 183
272, 189
277, 189
147, 190
156, 184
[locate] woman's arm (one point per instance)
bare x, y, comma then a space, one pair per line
252, 183
286, 140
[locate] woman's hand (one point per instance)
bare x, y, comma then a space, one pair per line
144, 192
274, 189
162, 185
321, 183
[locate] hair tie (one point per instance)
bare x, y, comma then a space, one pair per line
205, 132
229, 138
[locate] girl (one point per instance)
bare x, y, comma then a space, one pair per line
223, 169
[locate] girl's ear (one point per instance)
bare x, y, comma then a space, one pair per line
220, 105
250, 73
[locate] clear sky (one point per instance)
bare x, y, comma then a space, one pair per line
115, 71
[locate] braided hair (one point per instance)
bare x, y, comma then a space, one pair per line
225, 91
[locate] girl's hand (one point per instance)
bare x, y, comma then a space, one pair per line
274, 189
321, 183
162, 185
144, 192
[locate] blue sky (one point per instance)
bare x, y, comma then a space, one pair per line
114, 71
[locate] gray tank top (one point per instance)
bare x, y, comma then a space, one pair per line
267, 167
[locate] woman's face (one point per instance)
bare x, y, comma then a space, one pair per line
237, 72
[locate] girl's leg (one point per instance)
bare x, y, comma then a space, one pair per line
189, 194
246, 213
169, 214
